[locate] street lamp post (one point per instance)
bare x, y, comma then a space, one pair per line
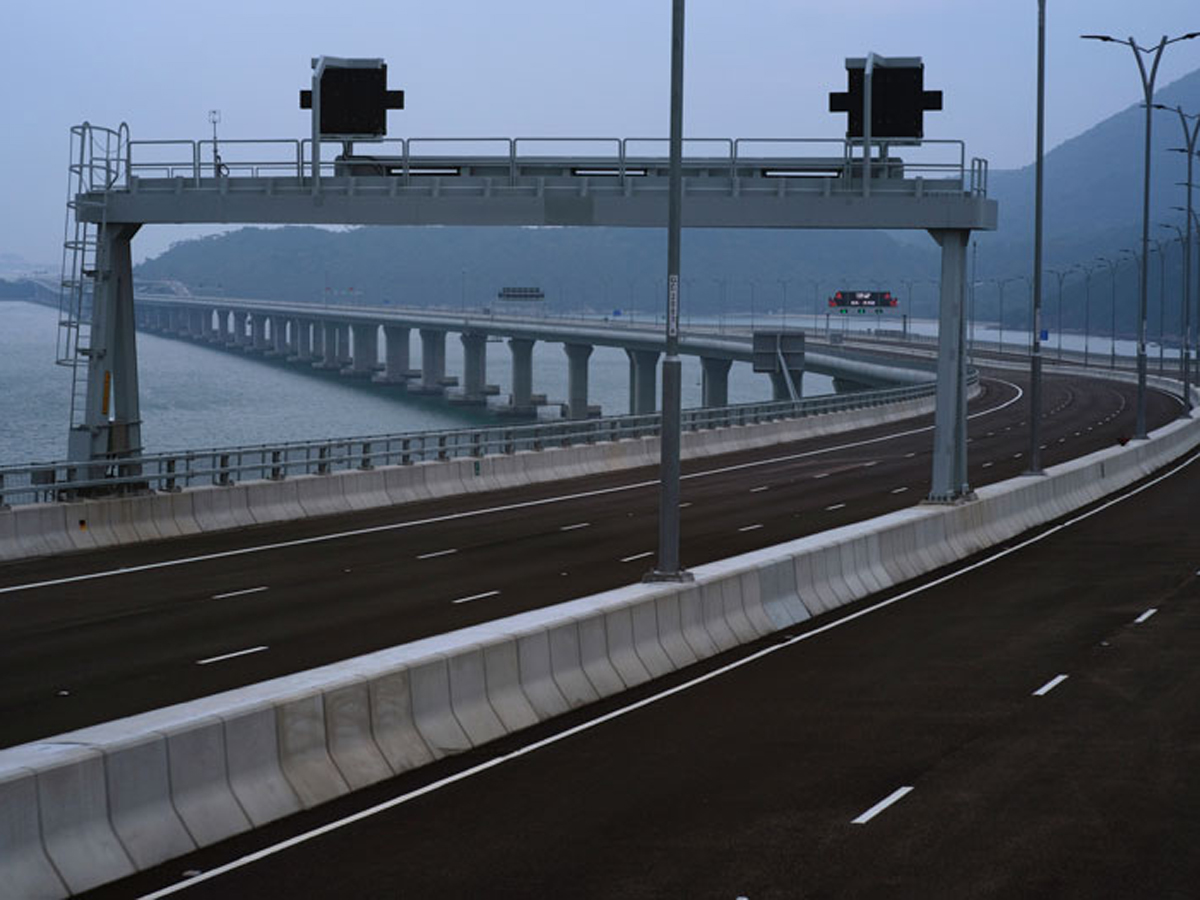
784, 283
1035, 355
1148, 91
1087, 309
669, 567
1061, 275
1000, 283
1160, 246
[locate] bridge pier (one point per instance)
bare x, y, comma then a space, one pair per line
278, 340
344, 357
239, 329
577, 380
643, 381
258, 333
209, 331
714, 383
301, 341
521, 399
329, 337
366, 350
474, 369
433, 362
950, 418
396, 347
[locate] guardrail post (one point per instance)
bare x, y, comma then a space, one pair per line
223, 469
365, 465
276, 468
323, 460
169, 484
477, 443
405, 456
3, 505
442, 455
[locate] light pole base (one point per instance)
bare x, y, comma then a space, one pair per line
654, 576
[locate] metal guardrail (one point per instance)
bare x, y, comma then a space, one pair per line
173, 471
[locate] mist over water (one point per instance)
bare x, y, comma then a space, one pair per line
193, 396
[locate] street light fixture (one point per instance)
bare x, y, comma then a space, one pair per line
1148, 91
1035, 355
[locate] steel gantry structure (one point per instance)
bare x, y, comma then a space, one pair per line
120, 185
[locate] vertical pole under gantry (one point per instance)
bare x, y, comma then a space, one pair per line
950, 419
111, 426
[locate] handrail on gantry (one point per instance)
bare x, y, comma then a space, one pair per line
147, 157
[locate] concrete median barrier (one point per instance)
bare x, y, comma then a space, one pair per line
303, 751
393, 724
255, 775
139, 801
200, 789
350, 735
25, 870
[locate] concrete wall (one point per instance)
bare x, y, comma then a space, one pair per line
50, 529
91, 806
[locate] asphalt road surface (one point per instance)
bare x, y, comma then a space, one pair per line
1024, 725
92, 637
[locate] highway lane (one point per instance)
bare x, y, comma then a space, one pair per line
924, 743
77, 652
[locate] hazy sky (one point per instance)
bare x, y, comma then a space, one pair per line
755, 68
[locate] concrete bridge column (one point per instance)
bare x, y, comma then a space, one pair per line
577, 379
522, 375
433, 361
239, 329
209, 325
714, 384
221, 329
329, 354
643, 381
278, 341
344, 357
366, 350
258, 328
301, 344
193, 324
474, 367
396, 346
159, 319
173, 320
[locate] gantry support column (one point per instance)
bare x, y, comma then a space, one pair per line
950, 419
714, 382
433, 362
366, 350
474, 367
396, 346
111, 423
522, 375
643, 381
577, 379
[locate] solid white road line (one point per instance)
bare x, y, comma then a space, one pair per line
224, 656
225, 596
436, 553
603, 719
1050, 685
482, 596
1144, 616
575, 526
883, 804
638, 556
484, 511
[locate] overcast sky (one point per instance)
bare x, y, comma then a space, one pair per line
755, 68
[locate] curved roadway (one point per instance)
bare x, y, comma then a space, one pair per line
91, 637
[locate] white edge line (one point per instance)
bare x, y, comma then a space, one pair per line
883, 804
482, 596
638, 556
1050, 685
253, 590
475, 513
647, 701
224, 656
437, 553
